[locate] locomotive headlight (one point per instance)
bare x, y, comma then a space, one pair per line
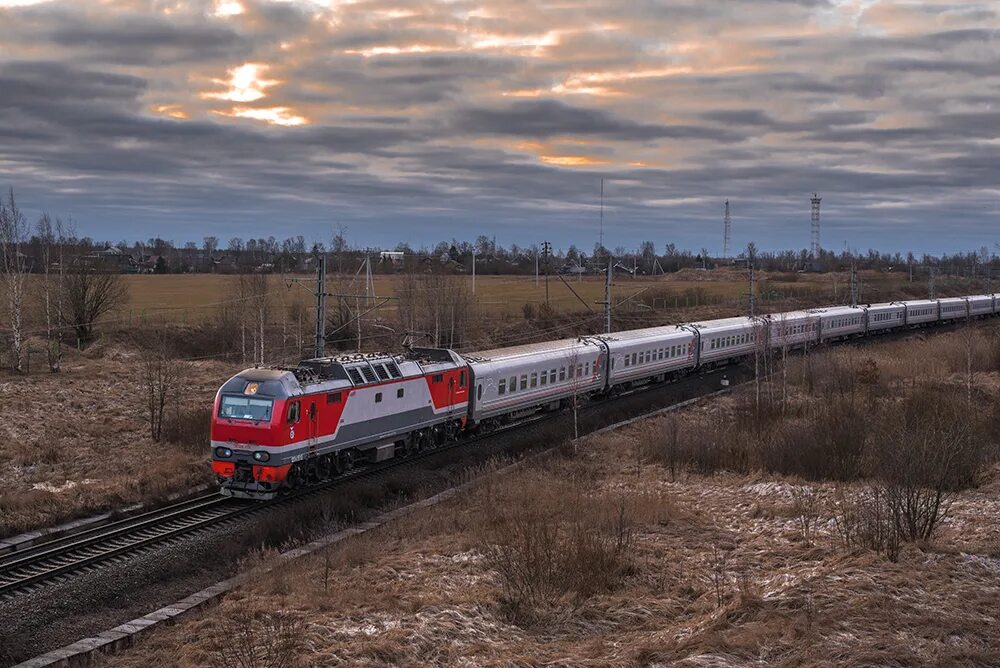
261, 456
223, 453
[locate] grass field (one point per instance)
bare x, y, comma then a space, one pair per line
195, 297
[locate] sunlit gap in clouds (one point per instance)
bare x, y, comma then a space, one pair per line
246, 83
272, 115
227, 8
471, 41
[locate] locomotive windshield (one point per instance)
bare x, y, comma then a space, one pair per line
245, 408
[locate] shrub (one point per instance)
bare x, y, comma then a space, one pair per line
189, 427
547, 540
865, 521
250, 638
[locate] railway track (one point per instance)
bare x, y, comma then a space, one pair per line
27, 568
85, 551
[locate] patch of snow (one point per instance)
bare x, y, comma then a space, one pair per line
66, 486
772, 488
55, 489
368, 629
989, 563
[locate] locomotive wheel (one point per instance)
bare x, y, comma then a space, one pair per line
325, 467
295, 476
346, 460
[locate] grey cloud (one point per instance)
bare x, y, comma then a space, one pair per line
549, 118
415, 146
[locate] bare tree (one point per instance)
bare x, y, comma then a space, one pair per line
436, 304
160, 378
256, 303
91, 291
13, 230
575, 371
969, 336
50, 239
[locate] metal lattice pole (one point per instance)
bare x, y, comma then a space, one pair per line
320, 348
727, 225
814, 240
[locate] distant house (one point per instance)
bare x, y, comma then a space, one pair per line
396, 257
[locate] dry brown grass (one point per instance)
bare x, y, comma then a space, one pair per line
720, 569
716, 568
77, 442
193, 297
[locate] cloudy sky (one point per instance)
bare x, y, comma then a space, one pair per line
416, 121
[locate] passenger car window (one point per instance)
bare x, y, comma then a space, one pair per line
502, 386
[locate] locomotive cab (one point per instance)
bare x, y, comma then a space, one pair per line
248, 422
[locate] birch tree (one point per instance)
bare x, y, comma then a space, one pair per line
50, 237
13, 231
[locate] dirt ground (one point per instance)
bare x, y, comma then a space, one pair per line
77, 442
722, 570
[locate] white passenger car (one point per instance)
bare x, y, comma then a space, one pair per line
840, 322
522, 379
921, 311
727, 338
794, 328
885, 316
648, 353
980, 305
953, 308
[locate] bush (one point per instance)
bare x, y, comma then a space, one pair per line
865, 521
249, 638
547, 540
189, 427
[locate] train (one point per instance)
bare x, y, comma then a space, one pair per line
275, 429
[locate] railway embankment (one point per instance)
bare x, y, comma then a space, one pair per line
772, 525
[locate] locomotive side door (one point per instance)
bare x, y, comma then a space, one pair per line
313, 427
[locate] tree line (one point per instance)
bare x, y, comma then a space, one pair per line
72, 291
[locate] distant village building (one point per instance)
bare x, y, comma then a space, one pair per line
395, 257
